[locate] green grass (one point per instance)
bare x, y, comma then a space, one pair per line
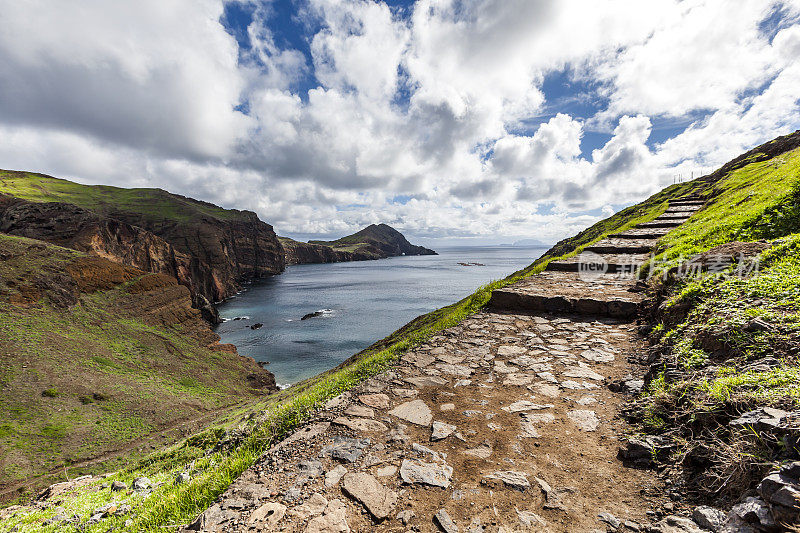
82, 380
742, 203
152, 204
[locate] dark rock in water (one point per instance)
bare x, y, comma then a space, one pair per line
257, 326
311, 315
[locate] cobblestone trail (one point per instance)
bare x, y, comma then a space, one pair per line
502, 423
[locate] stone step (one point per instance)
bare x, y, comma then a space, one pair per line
661, 224
642, 233
673, 216
698, 203
622, 246
592, 262
566, 292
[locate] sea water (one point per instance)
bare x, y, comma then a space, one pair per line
360, 302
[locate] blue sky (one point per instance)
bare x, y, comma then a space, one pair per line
456, 121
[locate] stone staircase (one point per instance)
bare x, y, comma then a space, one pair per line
599, 280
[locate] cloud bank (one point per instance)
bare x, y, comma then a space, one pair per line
450, 119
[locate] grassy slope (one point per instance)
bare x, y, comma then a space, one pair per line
271, 419
82, 380
712, 365
153, 204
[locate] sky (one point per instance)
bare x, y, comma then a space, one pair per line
455, 121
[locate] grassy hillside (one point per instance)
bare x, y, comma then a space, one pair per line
228, 447
153, 204
728, 342
95, 357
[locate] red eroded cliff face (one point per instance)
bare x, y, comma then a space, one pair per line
207, 255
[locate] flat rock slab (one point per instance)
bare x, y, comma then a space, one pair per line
376, 401
268, 515
345, 449
525, 405
367, 490
584, 373
597, 356
586, 420
445, 522
440, 431
509, 478
484, 451
359, 411
362, 425
510, 351
434, 474
416, 412
333, 519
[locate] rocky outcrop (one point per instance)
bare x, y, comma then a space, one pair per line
208, 255
223, 252
302, 253
376, 241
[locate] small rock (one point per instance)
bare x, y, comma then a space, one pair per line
585, 419
754, 511
333, 519
359, 411
610, 519
447, 407
314, 506
515, 480
405, 516
386, 471
361, 425
333, 476
440, 430
763, 419
483, 451
524, 405
118, 486
677, 524
708, 517
445, 522
269, 514
791, 470
529, 519
141, 484
345, 449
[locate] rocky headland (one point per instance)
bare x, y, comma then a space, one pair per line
376, 241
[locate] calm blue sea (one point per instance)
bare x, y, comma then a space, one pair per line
362, 302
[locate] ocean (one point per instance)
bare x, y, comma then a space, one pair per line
358, 302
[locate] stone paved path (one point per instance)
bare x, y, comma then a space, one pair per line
502, 423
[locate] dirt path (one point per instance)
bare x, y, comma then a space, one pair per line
502, 423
